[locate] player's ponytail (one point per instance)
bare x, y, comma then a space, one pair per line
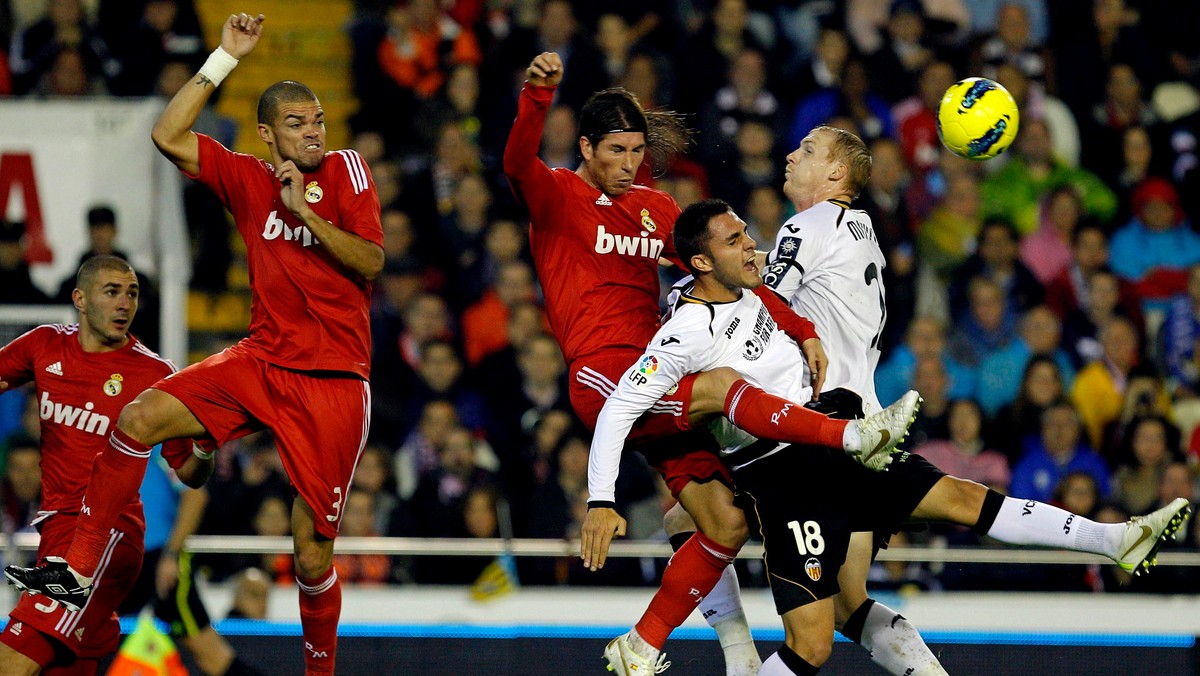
616, 110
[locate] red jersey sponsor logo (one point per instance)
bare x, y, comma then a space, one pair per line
274, 227
81, 418
642, 246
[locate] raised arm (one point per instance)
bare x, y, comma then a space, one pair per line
530, 178
172, 133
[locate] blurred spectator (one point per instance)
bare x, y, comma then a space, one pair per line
102, 237
373, 476
744, 99
1084, 56
987, 327
1035, 103
996, 259
903, 53
615, 40
17, 285
933, 419
1000, 374
440, 376
1015, 424
457, 100
64, 30
421, 46
442, 492
1048, 252
1178, 335
1013, 43
358, 520
854, 98
251, 593
765, 212
725, 34
21, 488
461, 227
1081, 330
947, 237
1097, 392
1068, 292
1145, 396
418, 455
167, 30
753, 165
432, 182
1178, 481
504, 243
924, 340
274, 519
426, 319
1016, 190
965, 454
560, 139
1059, 451
1149, 446
985, 17
515, 406
1124, 106
1137, 163
513, 285
823, 70
884, 199
1155, 249
915, 117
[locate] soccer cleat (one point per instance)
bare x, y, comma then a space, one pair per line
623, 661
881, 431
1145, 535
52, 579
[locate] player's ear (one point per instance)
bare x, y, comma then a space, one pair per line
585, 148
701, 263
266, 133
78, 300
839, 171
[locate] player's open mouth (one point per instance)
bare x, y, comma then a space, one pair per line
313, 146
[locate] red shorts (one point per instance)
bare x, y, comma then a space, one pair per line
92, 632
319, 419
679, 453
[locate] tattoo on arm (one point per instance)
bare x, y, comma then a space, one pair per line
203, 80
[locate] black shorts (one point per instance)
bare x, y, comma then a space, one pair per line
809, 499
181, 610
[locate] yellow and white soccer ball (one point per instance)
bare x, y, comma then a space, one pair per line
977, 118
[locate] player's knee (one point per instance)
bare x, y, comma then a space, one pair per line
677, 520
710, 389
729, 528
812, 649
313, 562
138, 421
967, 500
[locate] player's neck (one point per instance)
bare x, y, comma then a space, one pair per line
708, 289
90, 342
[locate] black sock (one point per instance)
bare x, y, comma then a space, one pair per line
795, 662
678, 539
858, 619
987, 516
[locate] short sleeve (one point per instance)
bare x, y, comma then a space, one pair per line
16, 359
795, 255
358, 205
221, 169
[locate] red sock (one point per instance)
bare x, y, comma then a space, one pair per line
690, 575
116, 476
320, 608
767, 416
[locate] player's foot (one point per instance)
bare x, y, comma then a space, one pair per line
881, 431
1144, 535
623, 661
53, 579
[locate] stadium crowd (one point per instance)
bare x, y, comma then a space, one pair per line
1046, 304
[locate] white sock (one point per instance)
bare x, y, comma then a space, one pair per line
896, 645
642, 648
724, 600
1029, 522
851, 439
741, 655
774, 666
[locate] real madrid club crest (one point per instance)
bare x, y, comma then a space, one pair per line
313, 193
813, 568
647, 222
112, 386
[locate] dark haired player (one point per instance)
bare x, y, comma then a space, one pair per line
310, 220
597, 241
83, 374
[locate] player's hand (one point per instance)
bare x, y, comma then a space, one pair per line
3, 385
814, 354
166, 576
599, 527
240, 34
546, 70
291, 187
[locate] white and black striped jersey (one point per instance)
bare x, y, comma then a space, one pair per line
697, 336
828, 265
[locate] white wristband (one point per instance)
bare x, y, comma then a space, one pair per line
219, 64
199, 453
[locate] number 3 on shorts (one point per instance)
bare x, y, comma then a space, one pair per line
808, 537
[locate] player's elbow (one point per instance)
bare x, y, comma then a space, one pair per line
373, 265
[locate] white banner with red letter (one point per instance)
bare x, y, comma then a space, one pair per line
60, 158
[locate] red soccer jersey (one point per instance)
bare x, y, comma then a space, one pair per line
79, 396
596, 255
308, 313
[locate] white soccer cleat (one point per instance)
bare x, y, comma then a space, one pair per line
1144, 535
881, 431
623, 661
